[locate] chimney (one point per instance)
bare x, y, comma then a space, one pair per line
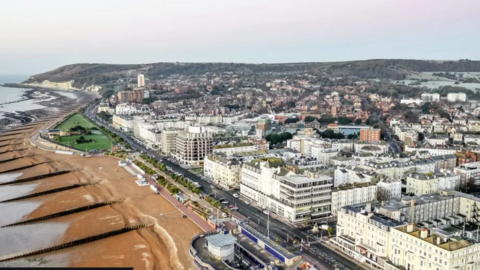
412, 211
410, 227
438, 241
424, 233
368, 207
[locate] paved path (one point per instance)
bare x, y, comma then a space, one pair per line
198, 220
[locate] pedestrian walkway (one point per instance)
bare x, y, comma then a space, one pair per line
199, 221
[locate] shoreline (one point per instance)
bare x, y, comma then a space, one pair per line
162, 246
52, 101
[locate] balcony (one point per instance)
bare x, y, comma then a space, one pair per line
302, 211
321, 213
320, 204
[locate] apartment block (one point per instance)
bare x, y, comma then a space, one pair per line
193, 145
354, 193
223, 171
122, 122
469, 174
422, 183
294, 197
437, 231
370, 135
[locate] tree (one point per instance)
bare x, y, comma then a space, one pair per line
358, 121
343, 121
383, 194
309, 119
103, 115
149, 100
352, 136
330, 134
421, 136
330, 231
291, 120
275, 138
371, 121
426, 107
411, 117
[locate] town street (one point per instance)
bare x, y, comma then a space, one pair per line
325, 256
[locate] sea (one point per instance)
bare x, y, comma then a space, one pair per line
12, 99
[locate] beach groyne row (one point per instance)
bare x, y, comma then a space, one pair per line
11, 134
25, 167
6, 140
22, 129
33, 195
13, 159
13, 150
38, 177
77, 242
11, 144
64, 213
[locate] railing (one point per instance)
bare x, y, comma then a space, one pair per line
267, 241
193, 252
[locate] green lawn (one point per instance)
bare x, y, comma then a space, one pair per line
100, 140
75, 120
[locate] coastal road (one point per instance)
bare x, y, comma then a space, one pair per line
277, 229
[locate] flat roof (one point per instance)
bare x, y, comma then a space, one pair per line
220, 240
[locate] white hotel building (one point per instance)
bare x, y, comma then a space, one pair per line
349, 194
423, 232
221, 170
293, 197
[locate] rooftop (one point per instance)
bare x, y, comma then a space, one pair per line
422, 176
450, 244
352, 186
300, 179
220, 240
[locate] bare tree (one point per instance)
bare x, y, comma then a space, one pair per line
383, 194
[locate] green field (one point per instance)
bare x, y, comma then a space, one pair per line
100, 140
75, 120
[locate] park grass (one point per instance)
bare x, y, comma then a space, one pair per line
100, 140
75, 120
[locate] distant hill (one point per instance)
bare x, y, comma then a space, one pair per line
84, 75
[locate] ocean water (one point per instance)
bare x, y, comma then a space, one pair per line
11, 99
8, 94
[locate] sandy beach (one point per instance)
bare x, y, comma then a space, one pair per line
98, 196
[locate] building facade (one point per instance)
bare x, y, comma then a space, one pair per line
222, 171
469, 174
141, 80
193, 145
422, 183
296, 198
349, 194
370, 135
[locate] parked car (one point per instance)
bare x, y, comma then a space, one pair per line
224, 215
224, 202
266, 212
212, 186
235, 208
236, 195
247, 202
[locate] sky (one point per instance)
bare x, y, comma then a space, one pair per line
38, 36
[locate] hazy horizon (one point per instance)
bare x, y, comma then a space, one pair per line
38, 36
